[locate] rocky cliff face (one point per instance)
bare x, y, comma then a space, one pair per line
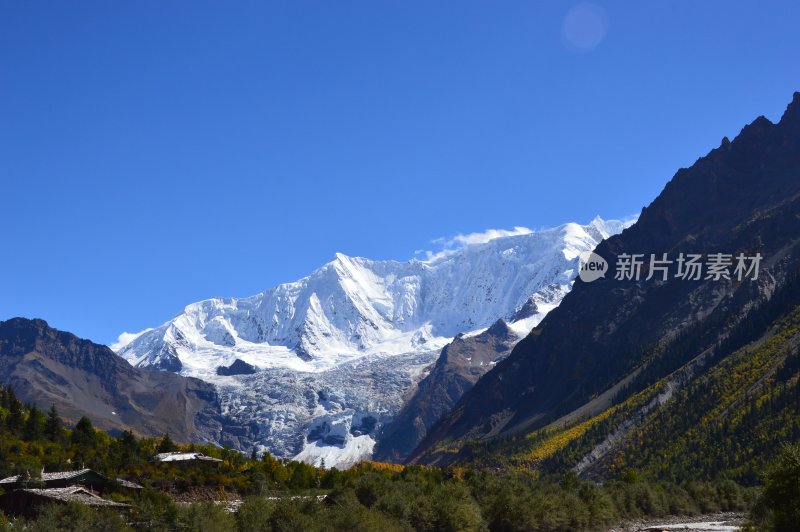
45, 366
743, 197
461, 363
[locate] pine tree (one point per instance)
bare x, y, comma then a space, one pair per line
53, 426
34, 426
83, 435
15, 419
125, 451
167, 445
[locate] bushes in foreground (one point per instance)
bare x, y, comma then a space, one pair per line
424, 500
778, 507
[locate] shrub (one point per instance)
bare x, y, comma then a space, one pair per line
455, 509
370, 488
778, 508
704, 495
154, 510
207, 517
254, 515
361, 519
289, 516
76, 518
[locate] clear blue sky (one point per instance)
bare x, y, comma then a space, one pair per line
157, 153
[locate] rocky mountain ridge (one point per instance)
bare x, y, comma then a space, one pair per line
743, 197
47, 367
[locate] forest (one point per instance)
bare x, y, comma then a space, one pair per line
287, 495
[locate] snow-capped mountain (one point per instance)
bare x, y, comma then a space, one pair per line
326, 360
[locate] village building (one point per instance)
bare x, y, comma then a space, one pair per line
29, 501
87, 478
185, 457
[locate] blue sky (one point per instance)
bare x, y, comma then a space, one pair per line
157, 153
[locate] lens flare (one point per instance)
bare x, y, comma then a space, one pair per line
584, 27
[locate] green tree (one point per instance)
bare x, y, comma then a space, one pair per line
289, 516
124, 452
208, 517
75, 518
155, 511
253, 515
84, 441
83, 435
166, 445
34, 425
15, 418
53, 426
778, 508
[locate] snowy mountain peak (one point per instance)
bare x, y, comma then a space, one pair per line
356, 313
354, 306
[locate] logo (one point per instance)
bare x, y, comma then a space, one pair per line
591, 266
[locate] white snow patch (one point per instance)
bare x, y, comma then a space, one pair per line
353, 451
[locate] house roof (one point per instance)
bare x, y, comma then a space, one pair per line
128, 484
73, 494
182, 457
56, 475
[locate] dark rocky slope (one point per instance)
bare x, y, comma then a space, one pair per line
459, 366
742, 197
45, 366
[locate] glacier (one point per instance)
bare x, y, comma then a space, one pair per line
333, 356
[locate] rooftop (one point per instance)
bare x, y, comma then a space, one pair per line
128, 484
182, 457
73, 494
58, 475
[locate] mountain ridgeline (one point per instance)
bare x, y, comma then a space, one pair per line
593, 361
47, 367
317, 369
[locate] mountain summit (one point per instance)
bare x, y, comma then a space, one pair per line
334, 354
354, 306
